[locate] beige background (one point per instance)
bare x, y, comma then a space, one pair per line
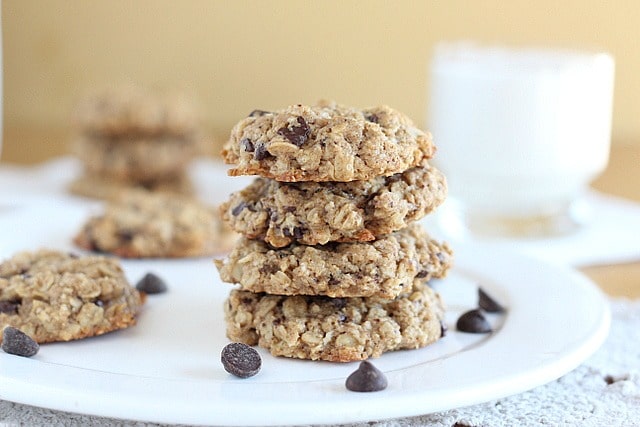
236, 56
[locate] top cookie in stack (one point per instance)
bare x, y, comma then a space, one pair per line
327, 142
129, 137
332, 265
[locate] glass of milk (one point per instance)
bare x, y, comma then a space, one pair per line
520, 134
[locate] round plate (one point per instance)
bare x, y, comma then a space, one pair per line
167, 368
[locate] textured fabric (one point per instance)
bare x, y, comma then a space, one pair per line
603, 391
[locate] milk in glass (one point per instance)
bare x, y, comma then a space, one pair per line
520, 133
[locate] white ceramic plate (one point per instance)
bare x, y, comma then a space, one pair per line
167, 368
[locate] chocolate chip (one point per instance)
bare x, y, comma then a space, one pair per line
151, 284
372, 118
261, 152
366, 378
99, 303
9, 307
487, 303
297, 135
125, 235
443, 329
339, 303
247, 145
394, 178
14, 341
289, 209
258, 113
240, 360
298, 233
269, 269
236, 211
473, 321
422, 274
609, 379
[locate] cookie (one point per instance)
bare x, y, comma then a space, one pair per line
136, 158
326, 142
383, 268
314, 213
100, 187
335, 329
132, 110
54, 296
140, 224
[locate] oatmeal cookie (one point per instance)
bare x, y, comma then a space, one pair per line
136, 158
132, 110
314, 213
335, 329
326, 142
101, 187
54, 296
383, 268
140, 224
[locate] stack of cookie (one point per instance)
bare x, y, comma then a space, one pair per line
332, 264
131, 138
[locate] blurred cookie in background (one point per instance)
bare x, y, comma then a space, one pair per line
129, 137
141, 224
132, 110
100, 187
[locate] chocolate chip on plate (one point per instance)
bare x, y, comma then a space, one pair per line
366, 378
487, 303
240, 360
14, 341
473, 321
151, 284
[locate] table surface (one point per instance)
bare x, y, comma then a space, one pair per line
622, 178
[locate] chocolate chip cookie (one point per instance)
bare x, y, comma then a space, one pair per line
320, 212
101, 187
54, 296
140, 224
335, 329
133, 110
383, 268
139, 159
326, 142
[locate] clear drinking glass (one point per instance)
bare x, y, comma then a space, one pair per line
520, 133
